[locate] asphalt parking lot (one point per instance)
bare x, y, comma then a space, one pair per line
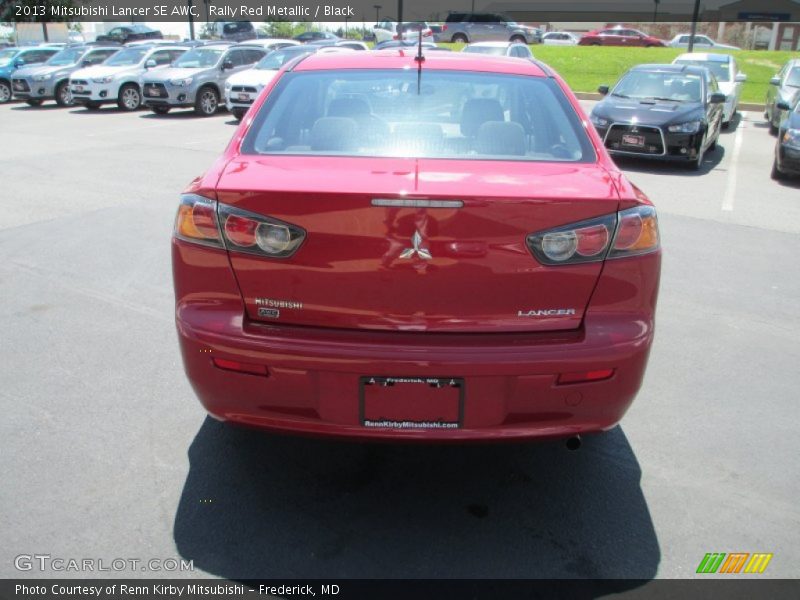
106, 453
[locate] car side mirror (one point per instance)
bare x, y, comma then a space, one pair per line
603, 90
775, 81
741, 78
228, 64
783, 105
18, 63
717, 98
86, 63
150, 63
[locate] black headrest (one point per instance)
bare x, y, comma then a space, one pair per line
333, 134
477, 111
348, 107
500, 138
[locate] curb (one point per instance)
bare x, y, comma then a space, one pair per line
742, 105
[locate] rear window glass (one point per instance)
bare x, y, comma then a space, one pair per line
448, 114
721, 70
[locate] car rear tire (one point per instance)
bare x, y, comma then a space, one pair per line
129, 98
34, 102
5, 92
63, 95
518, 38
207, 101
459, 38
239, 113
160, 110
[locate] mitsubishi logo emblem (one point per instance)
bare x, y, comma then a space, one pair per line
417, 249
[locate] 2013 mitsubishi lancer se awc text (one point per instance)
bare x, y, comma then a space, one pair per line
416, 248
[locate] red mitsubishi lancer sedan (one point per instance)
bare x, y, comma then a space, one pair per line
416, 247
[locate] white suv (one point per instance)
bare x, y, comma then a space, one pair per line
387, 30
119, 79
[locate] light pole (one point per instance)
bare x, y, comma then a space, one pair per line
695, 15
655, 10
377, 8
191, 20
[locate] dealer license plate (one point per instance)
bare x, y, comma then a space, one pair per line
412, 403
633, 140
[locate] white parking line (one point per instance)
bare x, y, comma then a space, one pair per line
730, 184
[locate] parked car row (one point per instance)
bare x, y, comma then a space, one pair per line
667, 112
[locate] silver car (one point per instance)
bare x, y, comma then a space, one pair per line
782, 90
487, 27
50, 81
197, 79
512, 49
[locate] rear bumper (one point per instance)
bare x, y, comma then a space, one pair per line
511, 389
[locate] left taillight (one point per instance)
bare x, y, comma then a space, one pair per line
626, 233
197, 221
204, 221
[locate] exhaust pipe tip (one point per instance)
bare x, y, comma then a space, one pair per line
574, 443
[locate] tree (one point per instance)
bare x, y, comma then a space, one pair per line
282, 29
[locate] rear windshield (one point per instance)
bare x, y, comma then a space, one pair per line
449, 114
720, 69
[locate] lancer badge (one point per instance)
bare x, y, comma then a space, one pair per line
416, 248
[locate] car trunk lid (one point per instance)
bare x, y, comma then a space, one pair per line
383, 252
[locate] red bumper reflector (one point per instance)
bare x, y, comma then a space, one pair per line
584, 376
235, 365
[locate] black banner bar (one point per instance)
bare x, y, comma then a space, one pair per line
731, 588
531, 11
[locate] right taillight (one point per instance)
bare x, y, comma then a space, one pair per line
637, 232
204, 221
626, 233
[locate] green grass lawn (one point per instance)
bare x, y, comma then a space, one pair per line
586, 67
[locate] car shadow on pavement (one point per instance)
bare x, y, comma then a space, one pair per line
29, 108
711, 160
179, 114
259, 505
733, 125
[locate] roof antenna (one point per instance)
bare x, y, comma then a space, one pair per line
420, 58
